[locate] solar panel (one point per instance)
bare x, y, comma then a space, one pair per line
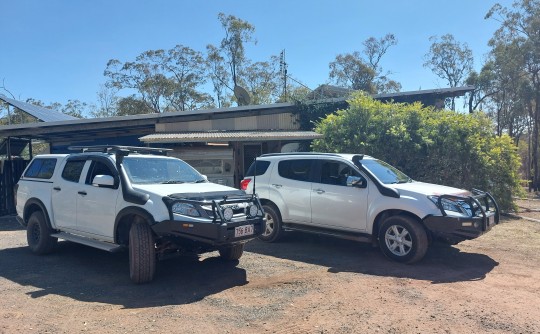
42, 114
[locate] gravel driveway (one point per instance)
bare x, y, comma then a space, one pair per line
303, 284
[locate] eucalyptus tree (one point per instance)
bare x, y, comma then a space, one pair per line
449, 60
167, 80
362, 70
520, 27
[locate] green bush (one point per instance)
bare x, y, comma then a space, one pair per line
437, 146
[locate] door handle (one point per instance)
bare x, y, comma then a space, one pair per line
277, 185
319, 191
57, 188
82, 193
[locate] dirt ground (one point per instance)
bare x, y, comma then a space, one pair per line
304, 284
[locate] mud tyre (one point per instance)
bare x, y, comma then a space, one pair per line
38, 234
142, 253
232, 253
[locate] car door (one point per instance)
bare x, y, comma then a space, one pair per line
64, 194
290, 187
96, 206
334, 204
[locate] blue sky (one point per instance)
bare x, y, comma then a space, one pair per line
57, 50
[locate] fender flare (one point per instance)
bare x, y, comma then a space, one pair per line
39, 203
131, 210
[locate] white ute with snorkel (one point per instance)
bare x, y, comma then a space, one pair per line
361, 198
134, 198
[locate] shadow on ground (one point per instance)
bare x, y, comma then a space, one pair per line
442, 264
92, 275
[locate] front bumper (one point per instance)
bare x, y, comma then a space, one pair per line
209, 233
457, 229
484, 214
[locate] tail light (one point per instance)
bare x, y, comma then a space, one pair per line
244, 184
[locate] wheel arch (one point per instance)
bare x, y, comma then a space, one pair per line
32, 205
377, 222
270, 203
125, 218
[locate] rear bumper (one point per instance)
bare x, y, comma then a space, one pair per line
209, 233
457, 229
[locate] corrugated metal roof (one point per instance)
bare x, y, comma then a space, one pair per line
42, 114
225, 136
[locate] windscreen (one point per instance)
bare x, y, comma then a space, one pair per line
386, 173
160, 170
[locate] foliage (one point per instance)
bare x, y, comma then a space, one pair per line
449, 60
166, 79
361, 71
441, 147
517, 45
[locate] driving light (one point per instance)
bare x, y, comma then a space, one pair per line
228, 214
185, 209
253, 210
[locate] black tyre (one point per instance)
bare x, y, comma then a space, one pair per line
272, 231
38, 234
142, 253
232, 253
403, 239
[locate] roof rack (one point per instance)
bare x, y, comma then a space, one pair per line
300, 153
119, 148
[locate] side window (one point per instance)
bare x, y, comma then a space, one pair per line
41, 168
336, 173
97, 168
72, 170
260, 167
295, 169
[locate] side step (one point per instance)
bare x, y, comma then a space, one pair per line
106, 246
333, 233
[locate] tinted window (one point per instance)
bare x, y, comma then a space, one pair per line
41, 168
261, 167
295, 169
98, 168
72, 170
334, 172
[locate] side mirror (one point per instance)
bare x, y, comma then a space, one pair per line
104, 181
205, 177
356, 181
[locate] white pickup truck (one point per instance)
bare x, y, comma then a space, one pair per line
120, 197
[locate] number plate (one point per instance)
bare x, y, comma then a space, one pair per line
241, 231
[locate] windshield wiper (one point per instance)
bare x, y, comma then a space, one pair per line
200, 181
172, 182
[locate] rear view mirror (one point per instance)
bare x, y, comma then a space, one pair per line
105, 181
356, 181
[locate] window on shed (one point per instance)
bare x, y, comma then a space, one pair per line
72, 170
41, 168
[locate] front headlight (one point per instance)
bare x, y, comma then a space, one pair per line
450, 205
185, 209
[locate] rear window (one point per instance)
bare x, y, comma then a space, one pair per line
41, 168
260, 166
299, 170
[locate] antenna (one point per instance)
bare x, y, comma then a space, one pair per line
242, 96
254, 174
283, 71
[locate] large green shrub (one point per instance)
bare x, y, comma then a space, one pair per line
442, 147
